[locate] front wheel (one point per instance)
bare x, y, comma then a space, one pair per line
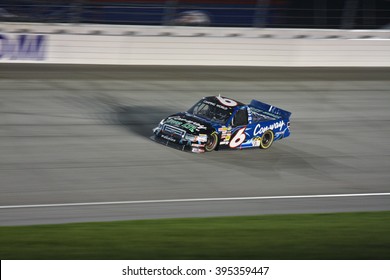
212, 142
267, 139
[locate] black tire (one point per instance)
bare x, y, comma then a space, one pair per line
212, 142
267, 139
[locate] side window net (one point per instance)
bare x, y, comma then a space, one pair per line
241, 118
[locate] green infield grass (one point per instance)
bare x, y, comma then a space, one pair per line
303, 236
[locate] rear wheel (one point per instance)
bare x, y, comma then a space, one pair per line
212, 142
267, 139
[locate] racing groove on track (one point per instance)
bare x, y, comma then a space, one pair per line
73, 134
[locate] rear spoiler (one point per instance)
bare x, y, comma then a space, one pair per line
270, 108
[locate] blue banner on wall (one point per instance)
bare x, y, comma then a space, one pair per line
22, 47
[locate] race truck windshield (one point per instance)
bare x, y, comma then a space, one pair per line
211, 111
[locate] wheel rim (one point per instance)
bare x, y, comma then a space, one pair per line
267, 140
211, 142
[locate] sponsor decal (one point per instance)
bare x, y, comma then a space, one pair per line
249, 114
261, 129
173, 122
189, 126
198, 145
168, 138
256, 141
215, 104
185, 123
22, 47
224, 128
226, 134
197, 150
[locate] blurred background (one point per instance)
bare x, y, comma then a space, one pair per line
329, 14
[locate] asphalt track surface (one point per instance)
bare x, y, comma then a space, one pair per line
74, 143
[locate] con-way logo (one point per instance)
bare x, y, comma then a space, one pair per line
22, 47
261, 129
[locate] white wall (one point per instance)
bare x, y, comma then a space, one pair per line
143, 45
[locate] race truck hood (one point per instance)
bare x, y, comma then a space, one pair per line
189, 123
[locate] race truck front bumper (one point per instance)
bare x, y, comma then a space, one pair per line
179, 139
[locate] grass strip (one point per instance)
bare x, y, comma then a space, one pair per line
287, 237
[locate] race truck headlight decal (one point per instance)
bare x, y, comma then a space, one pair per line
196, 138
189, 137
202, 138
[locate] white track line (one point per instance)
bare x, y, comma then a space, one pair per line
194, 200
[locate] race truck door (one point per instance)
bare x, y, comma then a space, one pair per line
239, 124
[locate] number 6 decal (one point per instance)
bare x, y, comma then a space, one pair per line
227, 102
238, 139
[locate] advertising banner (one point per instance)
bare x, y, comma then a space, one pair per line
23, 47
